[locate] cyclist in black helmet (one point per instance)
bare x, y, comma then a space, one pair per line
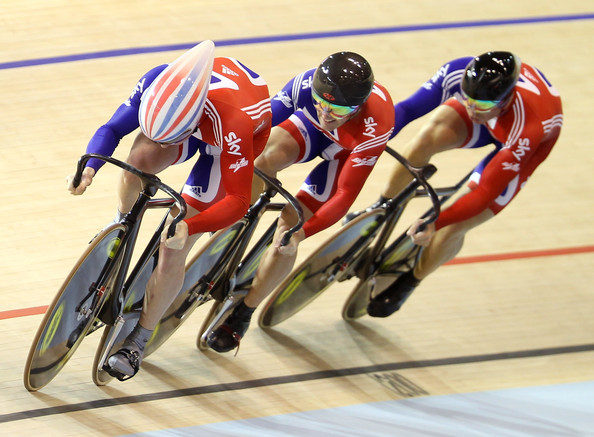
336, 112
516, 105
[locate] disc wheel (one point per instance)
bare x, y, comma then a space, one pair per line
321, 269
192, 294
72, 314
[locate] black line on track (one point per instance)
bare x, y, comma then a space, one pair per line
289, 379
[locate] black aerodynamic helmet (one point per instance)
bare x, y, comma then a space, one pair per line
343, 78
491, 76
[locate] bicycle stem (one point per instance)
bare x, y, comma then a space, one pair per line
421, 174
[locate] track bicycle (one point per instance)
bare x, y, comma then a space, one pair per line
220, 271
359, 250
99, 289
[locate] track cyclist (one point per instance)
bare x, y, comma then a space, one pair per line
215, 107
336, 112
496, 99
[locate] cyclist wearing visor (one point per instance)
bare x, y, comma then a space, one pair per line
338, 113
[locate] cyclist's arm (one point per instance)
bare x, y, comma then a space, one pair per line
444, 84
123, 121
350, 181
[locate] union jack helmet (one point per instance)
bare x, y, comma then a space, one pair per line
172, 105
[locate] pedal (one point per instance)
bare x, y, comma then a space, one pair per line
227, 306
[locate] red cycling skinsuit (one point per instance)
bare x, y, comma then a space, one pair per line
232, 132
349, 153
528, 131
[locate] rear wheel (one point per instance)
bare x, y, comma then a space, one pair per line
73, 313
193, 293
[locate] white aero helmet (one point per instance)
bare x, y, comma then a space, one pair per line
172, 105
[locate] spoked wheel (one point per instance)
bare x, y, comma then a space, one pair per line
114, 335
72, 314
192, 293
395, 262
321, 269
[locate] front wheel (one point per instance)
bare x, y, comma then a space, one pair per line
74, 310
321, 269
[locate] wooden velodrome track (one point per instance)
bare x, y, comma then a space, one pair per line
514, 311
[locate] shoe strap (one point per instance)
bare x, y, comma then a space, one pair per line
236, 337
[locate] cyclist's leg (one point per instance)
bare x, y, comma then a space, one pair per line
272, 269
162, 288
286, 145
275, 266
444, 246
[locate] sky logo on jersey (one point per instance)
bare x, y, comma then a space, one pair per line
233, 142
171, 106
522, 149
370, 125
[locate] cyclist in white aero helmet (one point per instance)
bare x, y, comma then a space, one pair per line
198, 103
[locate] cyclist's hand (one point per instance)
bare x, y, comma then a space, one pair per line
178, 241
421, 238
86, 180
291, 248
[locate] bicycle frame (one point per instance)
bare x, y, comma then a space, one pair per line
377, 255
216, 276
393, 210
228, 291
357, 249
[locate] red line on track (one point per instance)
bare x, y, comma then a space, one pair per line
520, 255
461, 260
22, 312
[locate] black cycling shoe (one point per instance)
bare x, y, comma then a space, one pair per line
228, 336
124, 364
392, 298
